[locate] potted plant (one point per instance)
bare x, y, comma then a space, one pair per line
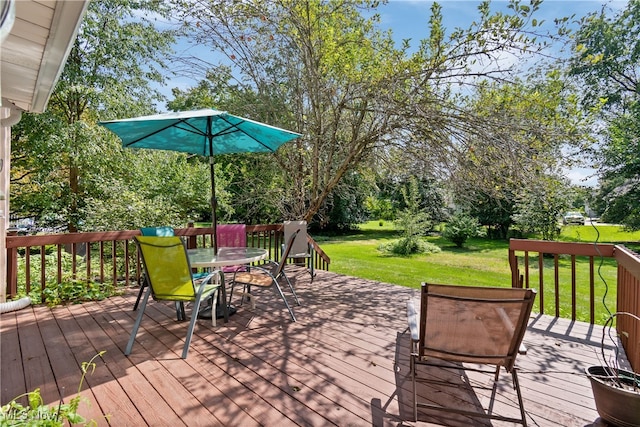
616, 391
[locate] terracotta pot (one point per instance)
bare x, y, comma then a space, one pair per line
618, 406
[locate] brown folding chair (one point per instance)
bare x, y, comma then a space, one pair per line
467, 324
301, 253
266, 276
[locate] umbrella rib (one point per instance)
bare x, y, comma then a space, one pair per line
192, 129
180, 121
237, 129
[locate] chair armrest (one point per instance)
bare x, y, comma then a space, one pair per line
413, 318
201, 279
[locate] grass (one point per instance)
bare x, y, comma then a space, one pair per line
481, 262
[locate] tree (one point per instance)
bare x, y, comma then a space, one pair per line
136, 188
606, 55
529, 127
116, 57
412, 221
538, 208
325, 70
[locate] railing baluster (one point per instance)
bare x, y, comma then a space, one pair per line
126, 262
526, 269
87, 257
12, 271
592, 291
43, 268
59, 264
73, 261
573, 287
114, 265
541, 281
556, 282
27, 269
101, 261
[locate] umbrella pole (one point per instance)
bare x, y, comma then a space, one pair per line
214, 202
214, 205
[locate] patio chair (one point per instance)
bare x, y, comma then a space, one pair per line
266, 276
302, 251
163, 231
232, 236
169, 278
468, 324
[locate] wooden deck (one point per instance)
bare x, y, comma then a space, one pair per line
345, 362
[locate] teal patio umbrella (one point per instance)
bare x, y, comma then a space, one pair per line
205, 132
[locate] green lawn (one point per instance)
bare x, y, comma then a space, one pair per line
481, 262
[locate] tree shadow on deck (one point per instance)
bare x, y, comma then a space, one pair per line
446, 387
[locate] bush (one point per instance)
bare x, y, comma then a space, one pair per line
408, 246
460, 228
70, 289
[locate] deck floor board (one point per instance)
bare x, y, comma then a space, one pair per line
345, 362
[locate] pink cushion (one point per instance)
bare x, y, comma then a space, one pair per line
231, 236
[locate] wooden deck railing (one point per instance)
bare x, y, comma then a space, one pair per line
583, 261
112, 256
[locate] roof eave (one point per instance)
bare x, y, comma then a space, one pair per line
64, 28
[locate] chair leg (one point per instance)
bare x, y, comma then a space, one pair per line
180, 314
516, 385
192, 323
233, 284
246, 293
295, 296
277, 286
412, 369
143, 285
251, 299
214, 305
136, 325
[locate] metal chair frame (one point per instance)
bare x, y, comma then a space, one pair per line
486, 311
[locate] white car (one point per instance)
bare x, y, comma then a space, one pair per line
573, 218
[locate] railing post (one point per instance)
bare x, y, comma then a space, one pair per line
628, 300
513, 263
12, 272
192, 241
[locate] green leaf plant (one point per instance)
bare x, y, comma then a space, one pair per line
37, 414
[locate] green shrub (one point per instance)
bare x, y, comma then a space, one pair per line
408, 246
70, 289
77, 290
460, 228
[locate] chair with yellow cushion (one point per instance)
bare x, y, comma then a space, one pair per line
169, 278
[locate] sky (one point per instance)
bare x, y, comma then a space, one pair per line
408, 19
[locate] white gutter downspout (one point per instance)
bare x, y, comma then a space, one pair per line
9, 116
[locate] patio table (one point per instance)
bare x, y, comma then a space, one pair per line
207, 258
